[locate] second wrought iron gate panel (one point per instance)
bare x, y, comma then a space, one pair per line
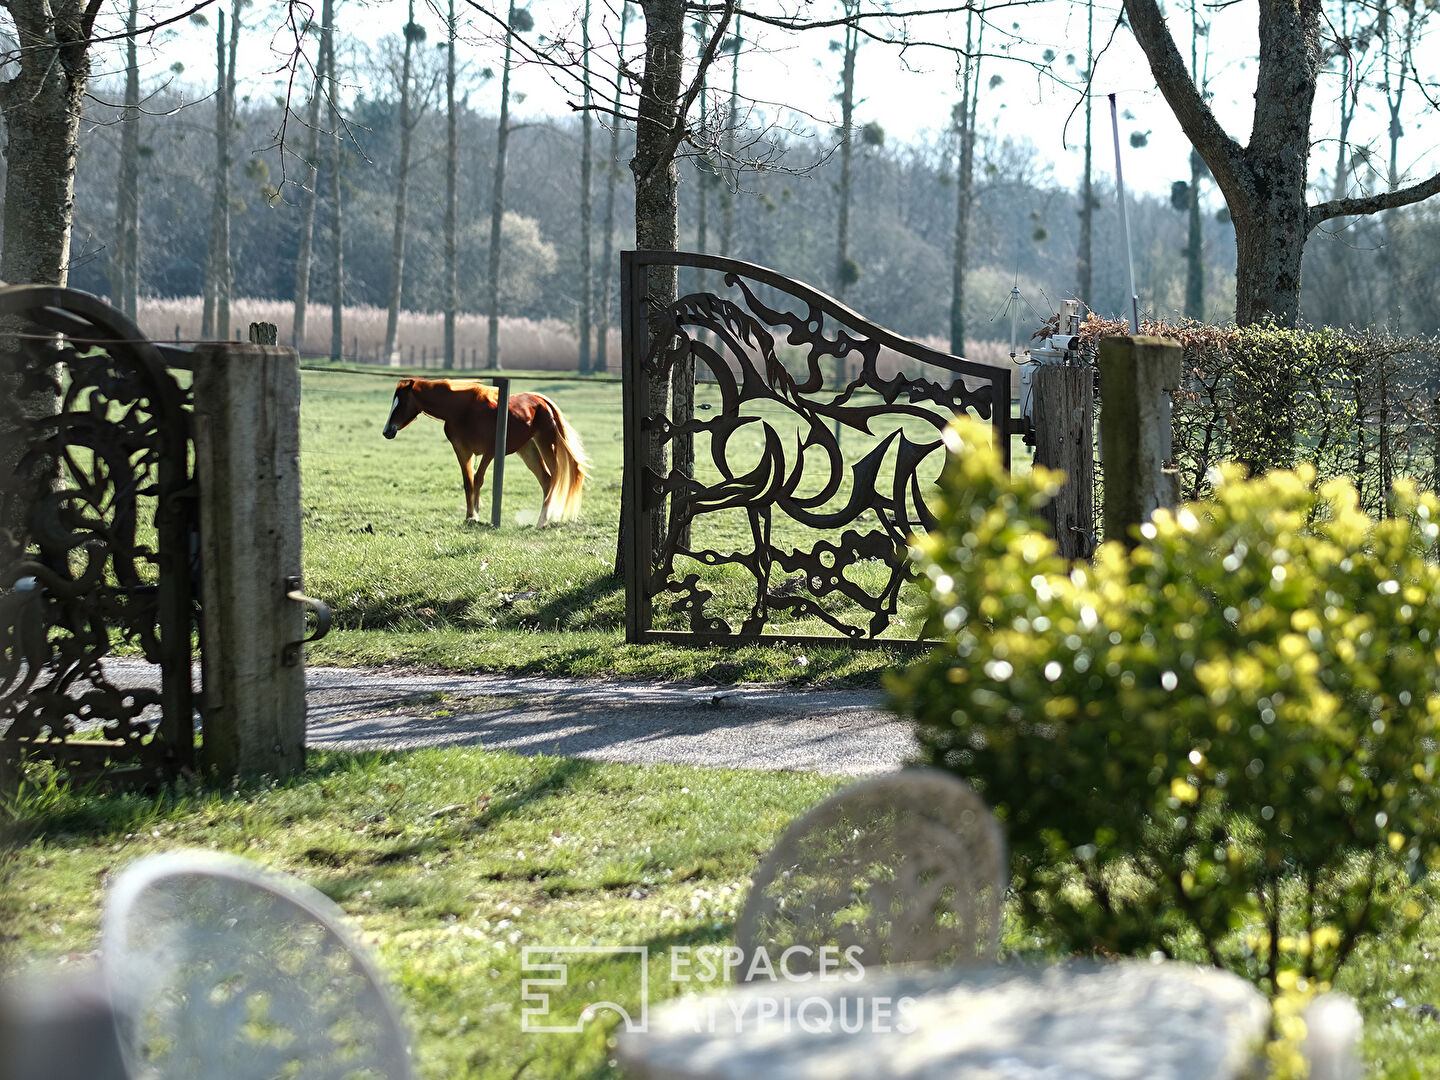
99, 516
816, 443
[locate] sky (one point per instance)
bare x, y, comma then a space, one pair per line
910, 95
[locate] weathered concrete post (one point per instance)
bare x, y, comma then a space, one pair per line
1137, 376
247, 463
1064, 411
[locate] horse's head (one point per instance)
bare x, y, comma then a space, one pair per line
405, 407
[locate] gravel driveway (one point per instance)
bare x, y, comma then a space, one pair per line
831, 731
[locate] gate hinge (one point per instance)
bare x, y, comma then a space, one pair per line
290, 654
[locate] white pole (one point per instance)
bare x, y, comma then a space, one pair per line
1125, 221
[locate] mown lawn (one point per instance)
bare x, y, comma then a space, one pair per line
450, 862
411, 583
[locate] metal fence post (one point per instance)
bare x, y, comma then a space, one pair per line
502, 432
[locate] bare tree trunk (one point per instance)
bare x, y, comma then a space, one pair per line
586, 284
1084, 256
310, 194
337, 209
211, 295
704, 170
125, 264
727, 208
657, 201
964, 181
225, 121
452, 200
1194, 263
1194, 267
42, 103
1264, 183
660, 128
612, 178
497, 199
402, 182
846, 270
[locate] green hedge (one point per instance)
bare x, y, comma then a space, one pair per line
1362, 404
1219, 746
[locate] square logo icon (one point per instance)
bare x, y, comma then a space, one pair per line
549, 969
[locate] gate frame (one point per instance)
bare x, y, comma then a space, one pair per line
75, 316
635, 347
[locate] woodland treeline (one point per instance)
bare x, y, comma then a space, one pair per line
1023, 227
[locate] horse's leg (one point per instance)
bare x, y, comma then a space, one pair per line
532, 455
467, 478
479, 481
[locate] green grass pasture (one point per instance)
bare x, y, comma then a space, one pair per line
451, 861
411, 582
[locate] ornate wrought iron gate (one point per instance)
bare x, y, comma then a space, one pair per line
97, 538
781, 363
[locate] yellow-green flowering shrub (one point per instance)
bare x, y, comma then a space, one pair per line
1220, 745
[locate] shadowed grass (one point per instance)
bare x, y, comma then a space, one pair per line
449, 862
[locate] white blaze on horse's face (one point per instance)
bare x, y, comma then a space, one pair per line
390, 428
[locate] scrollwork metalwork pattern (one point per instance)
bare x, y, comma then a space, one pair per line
740, 339
98, 516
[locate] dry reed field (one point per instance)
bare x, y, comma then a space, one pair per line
525, 344
544, 345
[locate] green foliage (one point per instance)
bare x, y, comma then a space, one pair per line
1218, 746
849, 272
1350, 403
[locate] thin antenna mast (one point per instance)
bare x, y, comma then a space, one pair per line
1125, 220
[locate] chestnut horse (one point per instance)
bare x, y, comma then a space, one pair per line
536, 431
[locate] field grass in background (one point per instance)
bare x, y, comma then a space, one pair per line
451, 861
411, 583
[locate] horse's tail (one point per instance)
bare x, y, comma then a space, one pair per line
571, 467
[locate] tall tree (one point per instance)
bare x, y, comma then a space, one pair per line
704, 166
517, 20
661, 126
1396, 45
1194, 264
310, 193
337, 204
210, 289
42, 102
452, 197
1264, 182
612, 178
586, 121
219, 271
732, 126
965, 116
847, 270
414, 34
125, 263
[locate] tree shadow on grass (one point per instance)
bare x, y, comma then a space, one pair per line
555, 613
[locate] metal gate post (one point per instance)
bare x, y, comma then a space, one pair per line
634, 524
